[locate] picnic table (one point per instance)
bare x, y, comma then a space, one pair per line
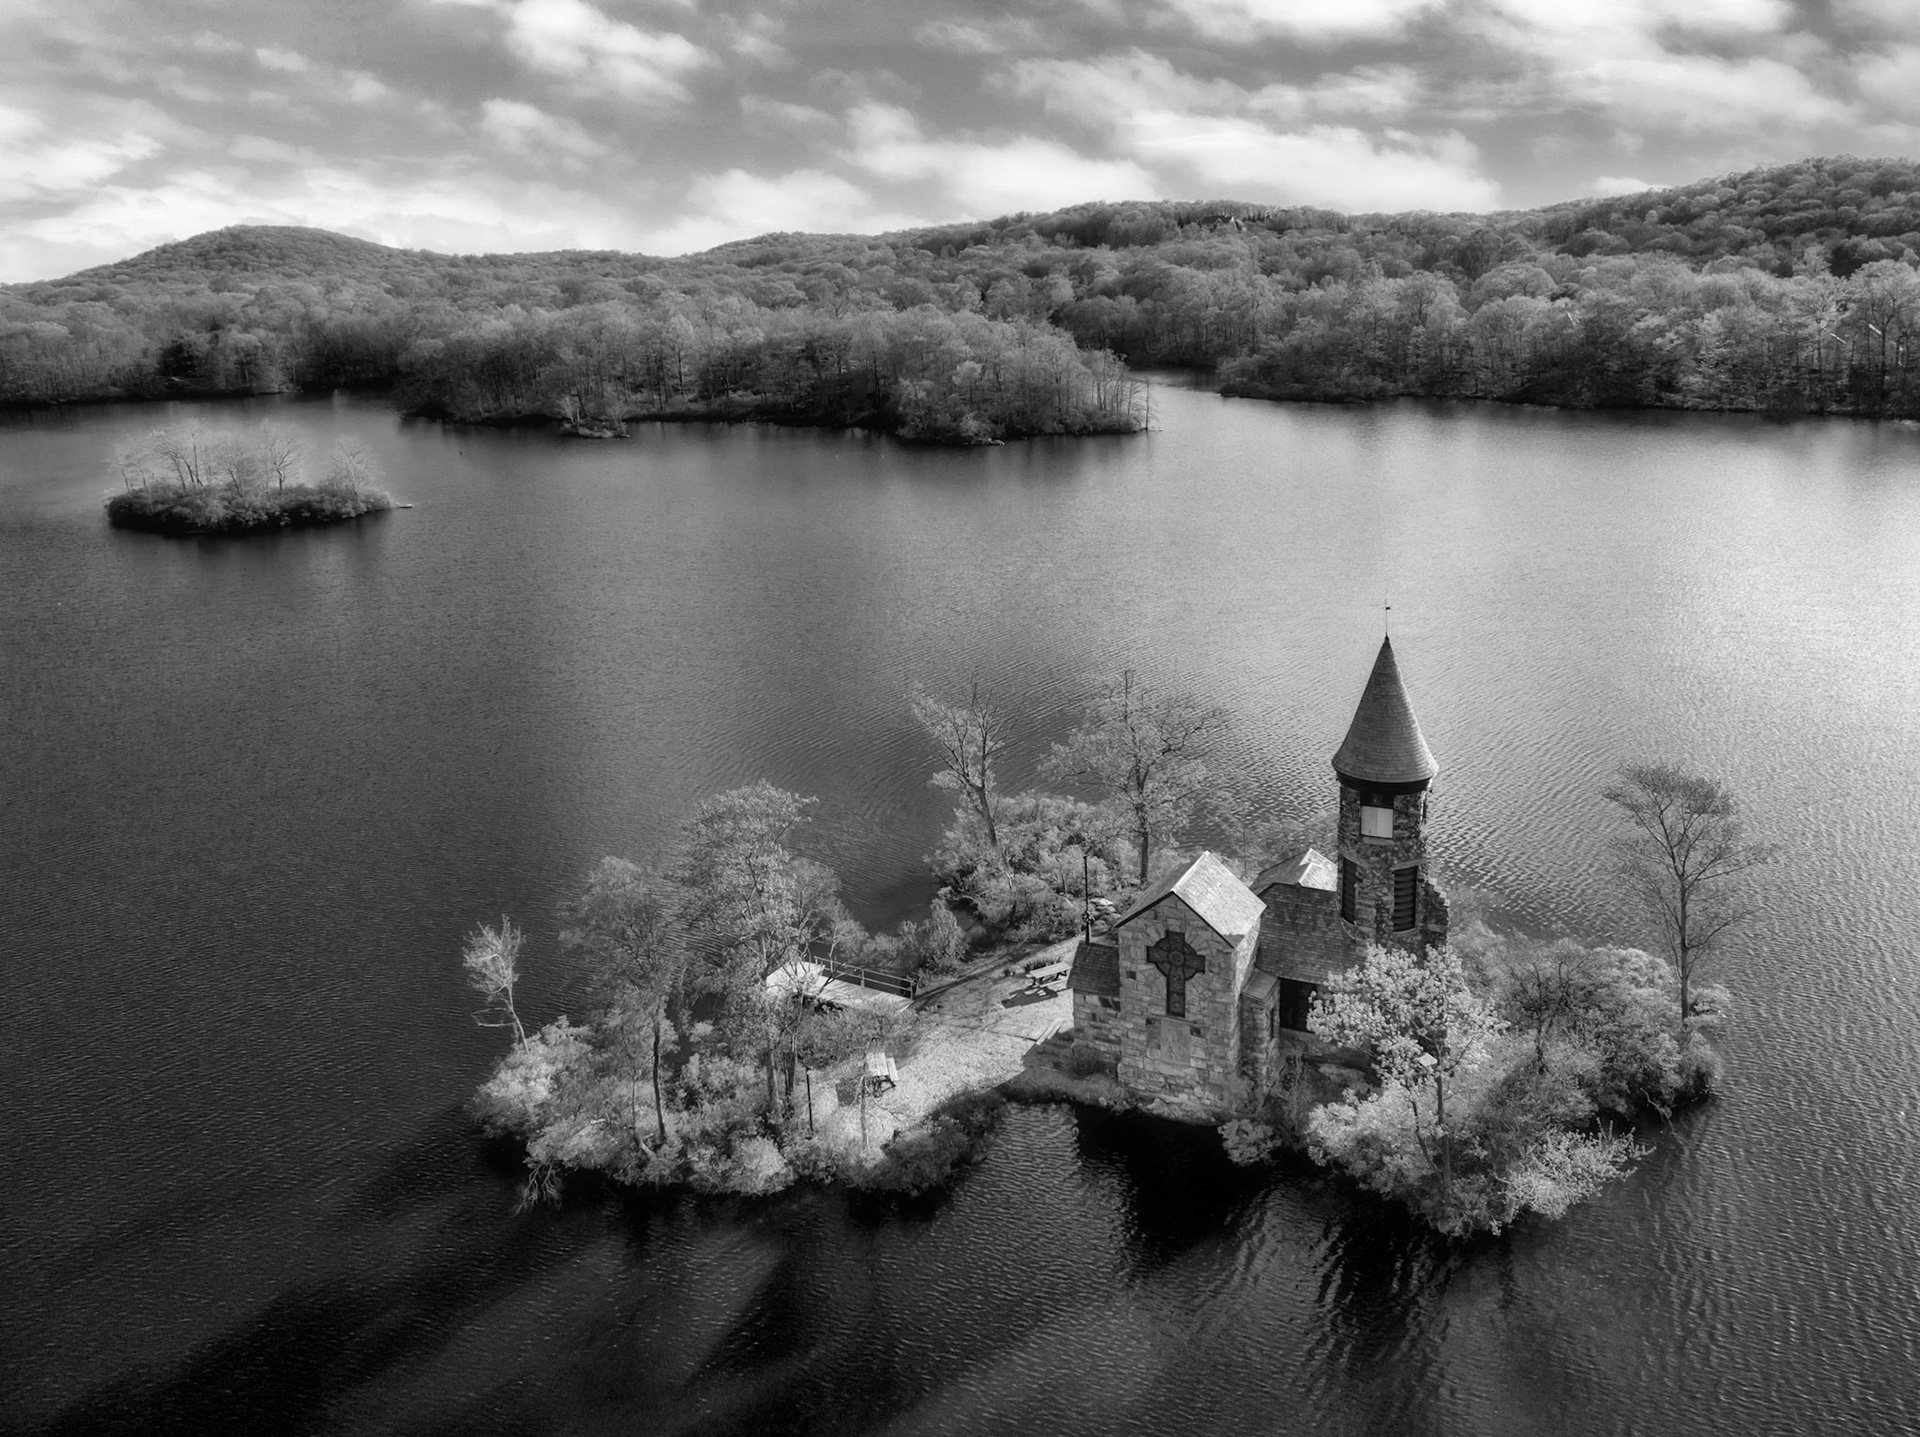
1042, 981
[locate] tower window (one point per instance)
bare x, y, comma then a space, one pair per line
1375, 822
1406, 887
1349, 889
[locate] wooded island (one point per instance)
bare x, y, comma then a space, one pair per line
187, 481
1331, 1005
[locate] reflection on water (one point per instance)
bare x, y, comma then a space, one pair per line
254, 792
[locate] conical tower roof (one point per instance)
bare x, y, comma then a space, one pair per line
1383, 743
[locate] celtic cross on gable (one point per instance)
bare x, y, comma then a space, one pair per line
1177, 962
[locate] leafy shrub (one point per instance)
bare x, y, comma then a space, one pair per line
1032, 887
1249, 1143
943, 946
1510, 1156
927, 1157
1611, 1015
525, 1091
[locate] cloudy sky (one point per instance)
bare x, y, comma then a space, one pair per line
672, 125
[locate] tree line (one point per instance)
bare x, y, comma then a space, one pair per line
1787, 289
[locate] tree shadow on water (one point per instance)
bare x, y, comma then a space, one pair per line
1176, 1185
317, 1344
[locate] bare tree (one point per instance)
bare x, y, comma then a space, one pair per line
231, 460
182, 449
278, 448
351, 468
172, 456
1148, 751
493, 966
969, 739
1681, 854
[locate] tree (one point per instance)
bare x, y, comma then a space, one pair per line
1681, 855
1421, 1022
969, 739
623, 921
1551, 989
1148, 751
744, 905
826, 1037
492, 961
278, 448
351, 468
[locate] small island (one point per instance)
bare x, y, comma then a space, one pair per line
186, 482
748, 1033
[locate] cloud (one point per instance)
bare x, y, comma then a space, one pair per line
736, 205
38, 164
270, 58
578, 42
1309, 21
987, 178
1333, 165
469, 212
362, 88
783, 118
1642, 64
1895, 17
526, 129
753, 40
1619, 185
1281, 143
1892, 80
1616, 22
1009, 35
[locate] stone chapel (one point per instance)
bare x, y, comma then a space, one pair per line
1204, 983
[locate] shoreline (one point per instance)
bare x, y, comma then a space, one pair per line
873, 421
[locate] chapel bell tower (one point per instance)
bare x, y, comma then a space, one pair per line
1385, 769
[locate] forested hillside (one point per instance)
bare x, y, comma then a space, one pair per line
1791, 289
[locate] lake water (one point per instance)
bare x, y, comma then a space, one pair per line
252, 794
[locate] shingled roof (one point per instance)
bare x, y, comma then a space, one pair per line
1096, 969
1310, 868
1384, 744
1210, 889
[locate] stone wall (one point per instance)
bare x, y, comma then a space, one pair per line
1259, 1033
1096, 1026
1190, 1060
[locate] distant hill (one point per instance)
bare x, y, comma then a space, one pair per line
1777, 288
